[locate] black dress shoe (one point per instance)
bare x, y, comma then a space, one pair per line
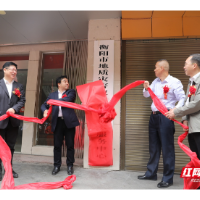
70, 170
15, 175
163, 184
55, 170
152, 178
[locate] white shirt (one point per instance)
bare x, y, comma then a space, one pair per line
191, 80
9, 86
176, 92
60, 110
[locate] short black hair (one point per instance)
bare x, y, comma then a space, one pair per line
195, 59
58, 80
8, 64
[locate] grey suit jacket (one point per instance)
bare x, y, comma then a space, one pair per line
191, 111
14, 102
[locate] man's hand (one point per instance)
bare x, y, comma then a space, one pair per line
146, 84
45, 113
185, 123
170, 114
11, 110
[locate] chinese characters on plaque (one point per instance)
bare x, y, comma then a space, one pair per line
104, 70
104, 64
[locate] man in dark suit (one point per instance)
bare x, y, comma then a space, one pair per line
64, 121
11, 101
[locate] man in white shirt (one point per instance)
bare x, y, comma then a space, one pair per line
190, 112
11, 102
161, 129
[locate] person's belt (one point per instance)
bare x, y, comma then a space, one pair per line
61, 117
157, 112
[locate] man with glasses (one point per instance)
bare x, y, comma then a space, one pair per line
190, 112
12, 99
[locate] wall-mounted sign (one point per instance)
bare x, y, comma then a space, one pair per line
104, 64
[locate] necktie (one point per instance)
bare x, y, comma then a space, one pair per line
193, 83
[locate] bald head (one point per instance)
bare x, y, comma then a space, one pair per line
163, 63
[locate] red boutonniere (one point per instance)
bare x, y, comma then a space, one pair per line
165, 90
64, 95
17, 92
192, 91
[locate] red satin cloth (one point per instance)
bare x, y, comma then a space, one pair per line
66, 184
8, 181
89, 105
94, 99
5, 155
195, 162
28, 119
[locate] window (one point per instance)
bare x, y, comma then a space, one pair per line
52, 69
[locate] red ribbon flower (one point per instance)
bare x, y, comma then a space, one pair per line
192, 91
17, 92
165, 90
64, 95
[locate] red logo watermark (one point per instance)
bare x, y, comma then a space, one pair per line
191, 172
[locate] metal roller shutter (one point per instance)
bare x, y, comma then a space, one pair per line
138, 63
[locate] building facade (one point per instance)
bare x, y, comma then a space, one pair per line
140, 39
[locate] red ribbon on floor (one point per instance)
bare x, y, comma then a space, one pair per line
8, 180
66, 184
100, 132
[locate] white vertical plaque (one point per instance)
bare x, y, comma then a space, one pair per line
104, 64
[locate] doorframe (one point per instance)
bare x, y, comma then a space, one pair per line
123, 106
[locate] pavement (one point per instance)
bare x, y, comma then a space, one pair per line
33, 169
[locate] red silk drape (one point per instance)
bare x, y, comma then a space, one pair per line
8, 180
99, 114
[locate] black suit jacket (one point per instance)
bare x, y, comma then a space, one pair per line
14, 102
69, 115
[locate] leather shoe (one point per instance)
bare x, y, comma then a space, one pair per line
163, 184
55, 170
70, 170
152, 178
15, 175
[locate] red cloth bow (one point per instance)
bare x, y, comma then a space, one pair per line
17, 92
64, 95
107, 114
192, 91
165, 90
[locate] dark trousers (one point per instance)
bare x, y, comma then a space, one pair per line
61, 130
9, 134
194, 143
161, 136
